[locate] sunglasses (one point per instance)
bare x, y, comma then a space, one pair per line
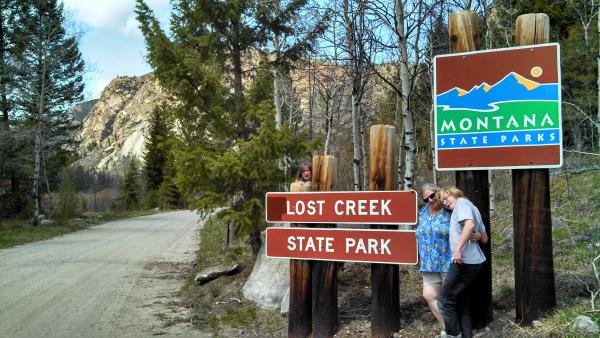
426, 199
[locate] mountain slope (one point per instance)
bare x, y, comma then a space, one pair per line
117, 124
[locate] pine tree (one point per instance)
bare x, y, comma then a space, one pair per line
155, 157
48, 71
130, 194
228, 149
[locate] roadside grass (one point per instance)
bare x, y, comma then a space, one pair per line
218, 306
576, 242
20, 231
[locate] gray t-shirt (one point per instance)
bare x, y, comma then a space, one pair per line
463, 210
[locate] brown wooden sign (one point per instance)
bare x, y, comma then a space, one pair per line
365, 207
352, 245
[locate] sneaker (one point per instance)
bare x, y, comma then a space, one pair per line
442, 335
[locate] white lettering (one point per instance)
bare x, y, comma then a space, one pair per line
291, 243
512, 121
338, 212
384, 207
350, 242
547, 119
482, 123
465, 124
362, 208
497, 119
448, 126
530, 120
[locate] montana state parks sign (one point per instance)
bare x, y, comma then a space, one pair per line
498, 109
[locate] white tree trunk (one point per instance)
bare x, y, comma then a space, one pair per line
277, 98
35, 194
365, 159
408, 125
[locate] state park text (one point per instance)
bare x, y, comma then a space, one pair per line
357, 245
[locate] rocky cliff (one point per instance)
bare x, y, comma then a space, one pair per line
116, 126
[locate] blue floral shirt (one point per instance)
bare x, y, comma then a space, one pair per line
432, 236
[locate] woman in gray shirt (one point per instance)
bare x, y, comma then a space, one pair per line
466, 262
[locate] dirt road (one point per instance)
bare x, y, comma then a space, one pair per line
118, 279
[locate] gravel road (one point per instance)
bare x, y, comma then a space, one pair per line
118, 279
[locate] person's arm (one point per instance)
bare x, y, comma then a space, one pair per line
484, 237
464, 237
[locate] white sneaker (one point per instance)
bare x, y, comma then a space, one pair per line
442, 335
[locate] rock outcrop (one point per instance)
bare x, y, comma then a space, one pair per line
116, 126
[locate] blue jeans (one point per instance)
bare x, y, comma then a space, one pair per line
454, 299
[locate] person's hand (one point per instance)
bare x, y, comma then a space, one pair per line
457, 257
475, 236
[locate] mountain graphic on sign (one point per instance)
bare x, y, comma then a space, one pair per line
513, 87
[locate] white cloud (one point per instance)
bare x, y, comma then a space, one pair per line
131, 26
111, 13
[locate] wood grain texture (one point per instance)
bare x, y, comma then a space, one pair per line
385, 278
300, 308
463, 32
535, 292
324, 274
463, 28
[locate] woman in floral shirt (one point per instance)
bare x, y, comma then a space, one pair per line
434, 247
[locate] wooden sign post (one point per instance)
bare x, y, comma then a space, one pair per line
324, 274
534, 271
300, 310
385, 278
463, 30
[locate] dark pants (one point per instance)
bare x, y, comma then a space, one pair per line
454, 299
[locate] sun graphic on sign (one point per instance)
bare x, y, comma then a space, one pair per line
536, 71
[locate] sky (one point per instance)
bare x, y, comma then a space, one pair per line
112, 44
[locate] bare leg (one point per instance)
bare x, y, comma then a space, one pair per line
431, 293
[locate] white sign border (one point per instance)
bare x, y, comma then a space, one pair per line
340, 260
342, 192
560, 164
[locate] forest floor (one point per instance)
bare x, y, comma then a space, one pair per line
220, 308
19, 231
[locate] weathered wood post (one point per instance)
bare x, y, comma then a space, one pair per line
534, 271
385, 278
299, 314
324, 274
463, 32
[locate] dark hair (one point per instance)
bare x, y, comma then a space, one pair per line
301, 168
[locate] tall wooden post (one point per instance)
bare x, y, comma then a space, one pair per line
385, 278
324, 274
463, 31
534, 271
299, 314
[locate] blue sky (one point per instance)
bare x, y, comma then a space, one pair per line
112, 43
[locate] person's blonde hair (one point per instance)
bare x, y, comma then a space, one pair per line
452, 191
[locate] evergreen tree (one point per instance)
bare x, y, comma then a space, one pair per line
48, 73
130, 194
170, 196
228, 149
156, 155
